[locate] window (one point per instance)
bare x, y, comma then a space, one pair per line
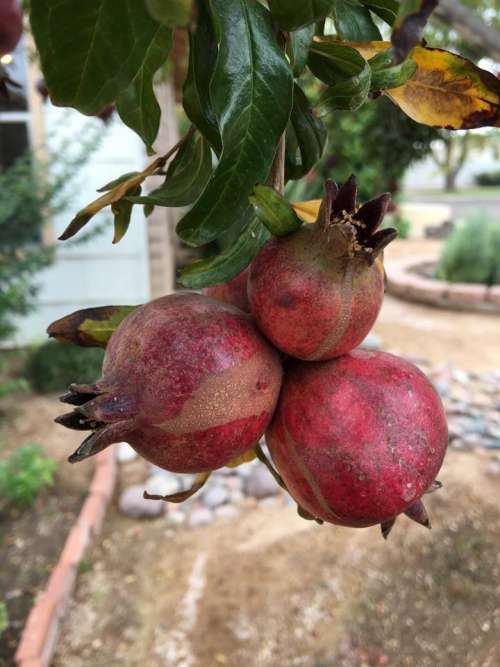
14, 113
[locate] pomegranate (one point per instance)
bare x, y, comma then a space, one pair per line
233, 292
11, 25
106, 114
358, 439
317, 292
188, 381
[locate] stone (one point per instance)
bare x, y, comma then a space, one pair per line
163, 485
132, 504
176, 517
215, 495
201, 516
125, 453
372, 342
227, 512
260, 483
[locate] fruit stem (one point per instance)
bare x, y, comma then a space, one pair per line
263, 458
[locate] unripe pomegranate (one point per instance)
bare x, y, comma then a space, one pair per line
233, 292
11, 25
358, 439
317, 292
188, 381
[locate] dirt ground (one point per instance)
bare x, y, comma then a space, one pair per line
31, 539
271, 590
469, 340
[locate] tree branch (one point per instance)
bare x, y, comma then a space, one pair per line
470, 26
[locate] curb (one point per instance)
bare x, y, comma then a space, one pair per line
405, 279
41, 630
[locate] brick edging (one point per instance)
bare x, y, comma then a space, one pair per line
404, 281
39, 637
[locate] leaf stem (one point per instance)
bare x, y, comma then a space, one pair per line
277, 176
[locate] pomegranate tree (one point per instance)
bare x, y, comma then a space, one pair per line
359, 439
189, 382
317, 292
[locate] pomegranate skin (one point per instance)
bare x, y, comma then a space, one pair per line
316, 293
358, 439
309, 306
188, 381
233, 292
11, 25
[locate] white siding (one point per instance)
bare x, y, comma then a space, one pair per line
97, 272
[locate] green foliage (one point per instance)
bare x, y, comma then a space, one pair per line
24, 474
251, 120
472, 253
402, 225
4, 617
53, 366
377, 143
241, 97
488, 178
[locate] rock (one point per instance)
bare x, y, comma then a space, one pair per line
132, 504
227, 512
260, 483
176, 517
372, 342
201, 516
163, 485
124, 452
215, 495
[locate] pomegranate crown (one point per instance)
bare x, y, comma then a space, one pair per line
354, 227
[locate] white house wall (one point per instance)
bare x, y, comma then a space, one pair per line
97, 272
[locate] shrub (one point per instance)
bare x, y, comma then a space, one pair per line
53, 366
472, 253
488, 178
4, 618
24, 474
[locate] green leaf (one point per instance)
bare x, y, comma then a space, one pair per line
298, 48
306, 137
90, 327
91, 50
386, 9
229, 263
196, 91
387, 75
344, 70
171, 13
122, 211
409, 25
137, 104
293, 14
354, 22
186, 178
274, 211
251, 92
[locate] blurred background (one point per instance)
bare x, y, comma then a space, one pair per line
234, 576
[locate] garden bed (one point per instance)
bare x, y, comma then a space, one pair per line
31, 539
412, 279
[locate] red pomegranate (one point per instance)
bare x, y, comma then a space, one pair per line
11, 25
233, 292
317, 292
188, 381
358, 439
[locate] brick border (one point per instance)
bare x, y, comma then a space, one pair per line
405, 280
39, 637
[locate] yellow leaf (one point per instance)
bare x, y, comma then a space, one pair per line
307, 210
446, 90
246, 457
